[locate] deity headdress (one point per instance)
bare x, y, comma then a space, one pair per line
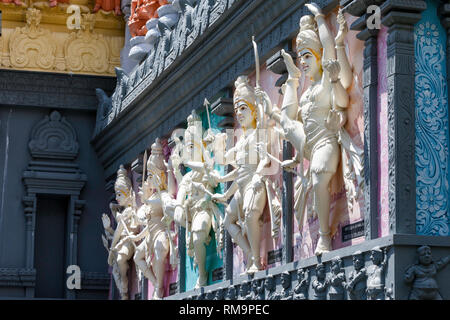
155, 163
308, 37
194, 128
244, 92
122, 181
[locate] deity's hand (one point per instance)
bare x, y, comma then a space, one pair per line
175, 161
110, 258
314, 8
265, 100
289, 164
214, 176
343, 29
335, 120
210, 137
333, 68
106, 221
294, 72
219, 198
257, 181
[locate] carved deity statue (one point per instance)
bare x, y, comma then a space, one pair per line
141, 12
193, 208
151, 254
108, 5
320, 284
376, 274
120, 252
250, 188
422, 276
301, 289
337, 280
356, 284
314, 125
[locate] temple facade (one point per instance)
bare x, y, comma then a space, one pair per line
225, 149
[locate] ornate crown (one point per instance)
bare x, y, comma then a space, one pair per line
244, 92
308, 36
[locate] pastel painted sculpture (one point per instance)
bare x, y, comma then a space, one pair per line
141, 12
152, 252
193, 208
108, 5
314, 125
120, 251
250, 188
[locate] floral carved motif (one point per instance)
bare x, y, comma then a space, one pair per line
32, 46
431, 132
85, 50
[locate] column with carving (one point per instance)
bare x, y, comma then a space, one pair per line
370, 86
29, 204
400, 17
445, 12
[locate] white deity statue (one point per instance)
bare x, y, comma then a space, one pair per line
250, 188
121, 252
150, 255
314, 125
193, 208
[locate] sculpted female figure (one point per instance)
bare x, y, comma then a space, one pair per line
193, 208
314, 125
122, 251
150, 255
249, 189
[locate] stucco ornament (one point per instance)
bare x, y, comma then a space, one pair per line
32, 46
314, 125
151, 254
422, 275
301, 289
320, 284
251, 187
336, 280
120, 252
85, 50
193, 208
376, 274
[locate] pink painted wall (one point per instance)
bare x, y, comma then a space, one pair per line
383, 161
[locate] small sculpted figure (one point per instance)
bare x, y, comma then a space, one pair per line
270, 285
314, 125
151, 254
320, 284
245, 293
356, 285
141, 12
210, 295
301, 289
375, 274
121, 251
422, 276
336, 280
258, 289
108, 5
249, 189
220, 294
231, 293
286, 294
193, 208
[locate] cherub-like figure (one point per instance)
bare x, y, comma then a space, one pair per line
193, 208
336, 280
249, 190
286, 294
151, 254
422, 276
301, 289
270, 286
120, 252
320, 284
314, 125
356, 285
375, 274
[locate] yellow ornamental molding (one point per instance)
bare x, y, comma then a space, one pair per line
86, 51
32, 46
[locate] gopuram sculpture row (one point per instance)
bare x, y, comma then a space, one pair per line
179, 190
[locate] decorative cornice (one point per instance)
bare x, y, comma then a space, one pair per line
95, 281
17, 277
